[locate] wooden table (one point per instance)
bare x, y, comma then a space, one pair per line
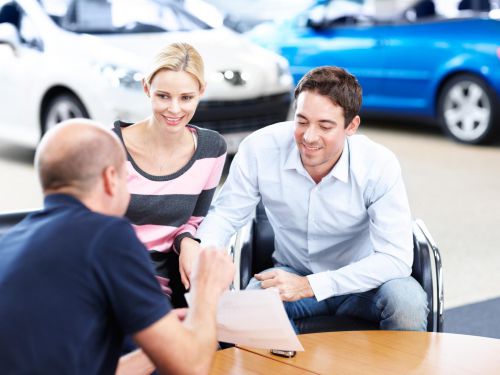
370, 352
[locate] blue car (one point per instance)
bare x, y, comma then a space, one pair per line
425, 61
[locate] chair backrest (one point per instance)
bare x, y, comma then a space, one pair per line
263, 241
421, 269
426, 264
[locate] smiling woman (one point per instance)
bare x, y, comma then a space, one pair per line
174, 167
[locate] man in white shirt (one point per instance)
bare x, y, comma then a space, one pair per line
338, 207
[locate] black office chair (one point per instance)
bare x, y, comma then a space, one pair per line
253, 246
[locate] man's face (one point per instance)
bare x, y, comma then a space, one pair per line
320, 132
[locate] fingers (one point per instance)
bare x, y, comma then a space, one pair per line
268, 279
186, 274
189, 253
269, 283
214, 268
183, 272
266, 275
184, 278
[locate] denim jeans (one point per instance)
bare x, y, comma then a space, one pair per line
398, 304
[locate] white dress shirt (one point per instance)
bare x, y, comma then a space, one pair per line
349, 233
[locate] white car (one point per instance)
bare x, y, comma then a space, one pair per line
243, 15
62, 59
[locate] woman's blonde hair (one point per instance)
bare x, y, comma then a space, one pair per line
178, 57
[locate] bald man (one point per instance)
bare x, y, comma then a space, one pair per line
74, 278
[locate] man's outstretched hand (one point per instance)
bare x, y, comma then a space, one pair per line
213, 270
290, 286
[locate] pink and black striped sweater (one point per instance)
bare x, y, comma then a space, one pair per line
165, 209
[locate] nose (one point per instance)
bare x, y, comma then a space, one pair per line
310, 135
174, 106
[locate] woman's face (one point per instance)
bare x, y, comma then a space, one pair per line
174, 97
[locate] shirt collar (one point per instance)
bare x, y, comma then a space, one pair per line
293, 158
57, 200
340, 171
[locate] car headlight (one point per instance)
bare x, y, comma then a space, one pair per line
120, 76
283, 71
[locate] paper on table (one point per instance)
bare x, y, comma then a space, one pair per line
255, 318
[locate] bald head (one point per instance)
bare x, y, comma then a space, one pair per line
72, 156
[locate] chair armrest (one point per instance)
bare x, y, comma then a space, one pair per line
429, 257
241, 246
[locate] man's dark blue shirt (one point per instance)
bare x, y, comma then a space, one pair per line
72, 284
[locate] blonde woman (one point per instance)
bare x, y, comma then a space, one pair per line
174, 167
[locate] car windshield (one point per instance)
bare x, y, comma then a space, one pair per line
121, 16
334, 12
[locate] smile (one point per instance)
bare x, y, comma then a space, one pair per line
173, 120
311, 148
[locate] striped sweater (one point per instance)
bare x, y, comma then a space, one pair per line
165, 209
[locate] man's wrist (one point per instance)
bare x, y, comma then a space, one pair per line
205, 298
308, 290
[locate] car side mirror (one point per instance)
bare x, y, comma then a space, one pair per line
10, 36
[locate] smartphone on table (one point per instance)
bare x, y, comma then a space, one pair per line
284, 353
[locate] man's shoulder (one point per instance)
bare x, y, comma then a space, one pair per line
105, 236
108, 226
275, 137
361, 146
54, 231
369, 158
81, 224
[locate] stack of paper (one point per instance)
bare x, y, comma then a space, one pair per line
255, 318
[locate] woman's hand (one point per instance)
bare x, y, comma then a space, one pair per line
190, 249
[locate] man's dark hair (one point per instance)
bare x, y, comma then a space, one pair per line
341, 87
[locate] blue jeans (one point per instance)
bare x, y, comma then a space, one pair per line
398, 304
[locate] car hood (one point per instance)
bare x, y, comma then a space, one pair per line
221, 50
271, 35
81, 49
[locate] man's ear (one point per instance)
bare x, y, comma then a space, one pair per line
110, 180
353, 126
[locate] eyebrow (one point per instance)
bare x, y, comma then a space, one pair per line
166, 92
323, 121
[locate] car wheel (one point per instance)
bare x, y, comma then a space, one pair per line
467, 109
62, 107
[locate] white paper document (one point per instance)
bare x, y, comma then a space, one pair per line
255, 318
